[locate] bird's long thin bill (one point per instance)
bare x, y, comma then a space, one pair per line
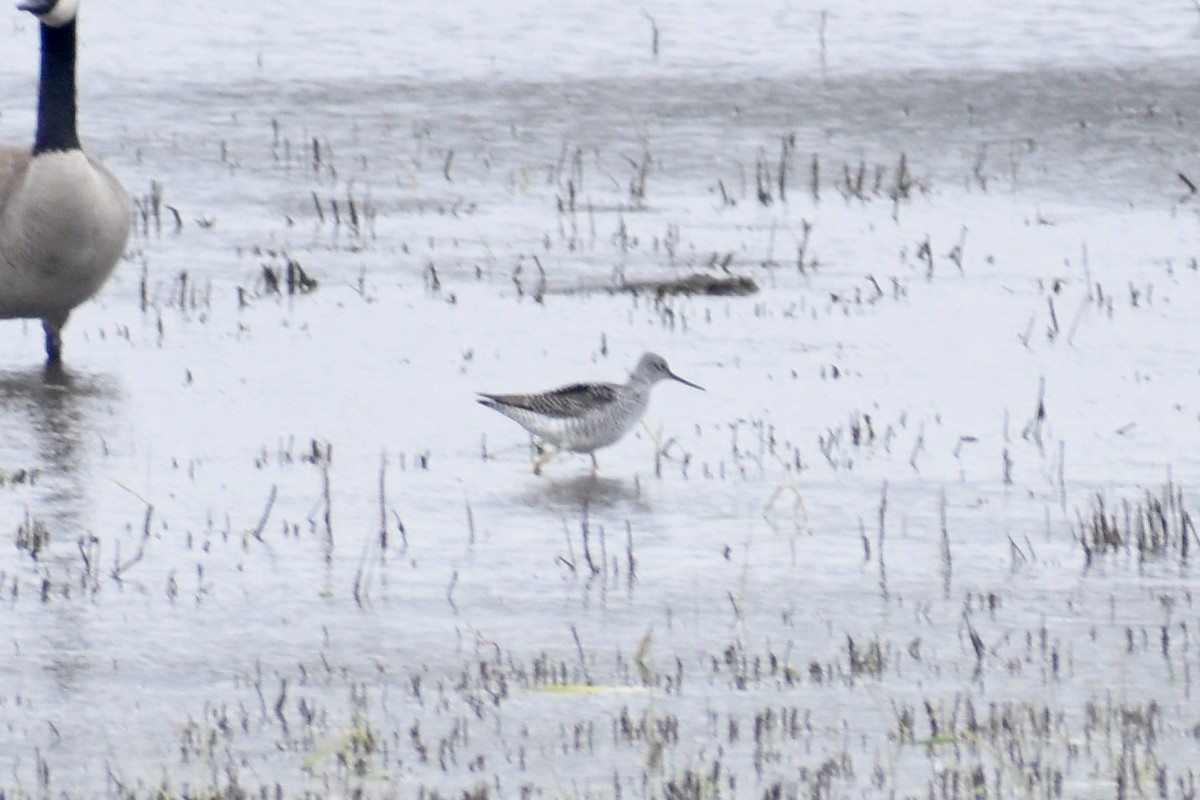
687, 383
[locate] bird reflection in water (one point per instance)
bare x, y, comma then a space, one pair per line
588, 491
47, 413
44, 412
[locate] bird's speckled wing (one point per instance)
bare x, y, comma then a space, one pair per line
569, 401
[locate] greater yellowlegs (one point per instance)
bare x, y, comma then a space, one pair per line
584, 417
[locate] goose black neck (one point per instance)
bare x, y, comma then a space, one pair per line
56, 95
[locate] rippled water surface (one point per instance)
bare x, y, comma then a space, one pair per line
927, 533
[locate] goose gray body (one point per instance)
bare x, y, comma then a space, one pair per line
64, 217
584, 417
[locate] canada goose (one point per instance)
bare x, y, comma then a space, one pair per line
64, 218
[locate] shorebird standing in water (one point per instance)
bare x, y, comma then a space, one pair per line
584, 417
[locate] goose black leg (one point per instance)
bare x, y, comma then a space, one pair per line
53, 342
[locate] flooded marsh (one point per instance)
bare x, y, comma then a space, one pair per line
929, 532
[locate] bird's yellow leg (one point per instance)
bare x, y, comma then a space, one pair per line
543, 459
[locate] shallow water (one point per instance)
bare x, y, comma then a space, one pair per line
265, 539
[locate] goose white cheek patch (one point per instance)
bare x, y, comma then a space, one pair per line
63, 12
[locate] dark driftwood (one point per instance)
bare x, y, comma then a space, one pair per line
694, 284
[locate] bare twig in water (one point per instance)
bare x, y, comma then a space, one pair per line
802, 248
120, 568
383, 531
450, 591
821, 35
257, 530
883, 585
947, 558
587, 678
787, 144
1033, 429
539, 294
653, 33
630, 561
956, 252
470, 520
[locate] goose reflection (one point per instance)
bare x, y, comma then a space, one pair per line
45, 413
48, 414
